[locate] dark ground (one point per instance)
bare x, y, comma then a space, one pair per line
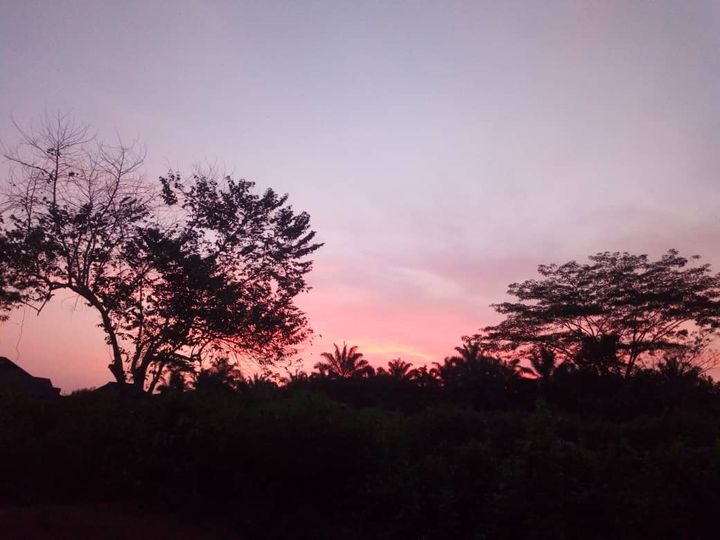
98, 521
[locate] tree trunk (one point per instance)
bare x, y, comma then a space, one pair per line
116, 366
139, 374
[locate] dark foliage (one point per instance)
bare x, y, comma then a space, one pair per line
294, 462
179, 273
344, 363
614, 314
8, 296
584, 414
477, 446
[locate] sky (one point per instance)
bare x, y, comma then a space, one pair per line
443, 149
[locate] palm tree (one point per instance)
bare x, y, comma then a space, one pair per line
544, 363
221, 375
344, 364
469, 352
399, 370
425, 377
471, 363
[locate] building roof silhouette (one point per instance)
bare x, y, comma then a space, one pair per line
15, 380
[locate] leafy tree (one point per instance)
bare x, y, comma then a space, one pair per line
473, 363
612, 314
173, 382
674, 367
344, 364
8, 296
399, 370
599, 355
475, 376
178, 273
543, 363
221, 375
425, 377
469, 351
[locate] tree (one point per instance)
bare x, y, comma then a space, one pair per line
174, 382
474, 375
611, 314
222, 375
399, 370
472, 362
8, 296
178, 272
470, 351
344, 364
425, 377
543, 363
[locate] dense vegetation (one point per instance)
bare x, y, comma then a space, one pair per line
471, 450
584, 413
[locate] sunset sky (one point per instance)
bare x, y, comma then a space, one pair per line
443, 149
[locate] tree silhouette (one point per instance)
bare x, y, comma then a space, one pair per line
398, 370
344, 364
474, 375
426, 377
222, 375
173, 382
472, 363
674, 367
543, 363
178, 273
614, 312
599, 354
469, 351
9, 297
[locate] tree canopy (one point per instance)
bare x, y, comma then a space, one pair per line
344, 363
180, 272
8, 296
613, 314
398, 370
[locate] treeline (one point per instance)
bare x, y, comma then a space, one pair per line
471, 449
584, 413
472, 379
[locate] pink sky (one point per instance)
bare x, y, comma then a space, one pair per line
443, 149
